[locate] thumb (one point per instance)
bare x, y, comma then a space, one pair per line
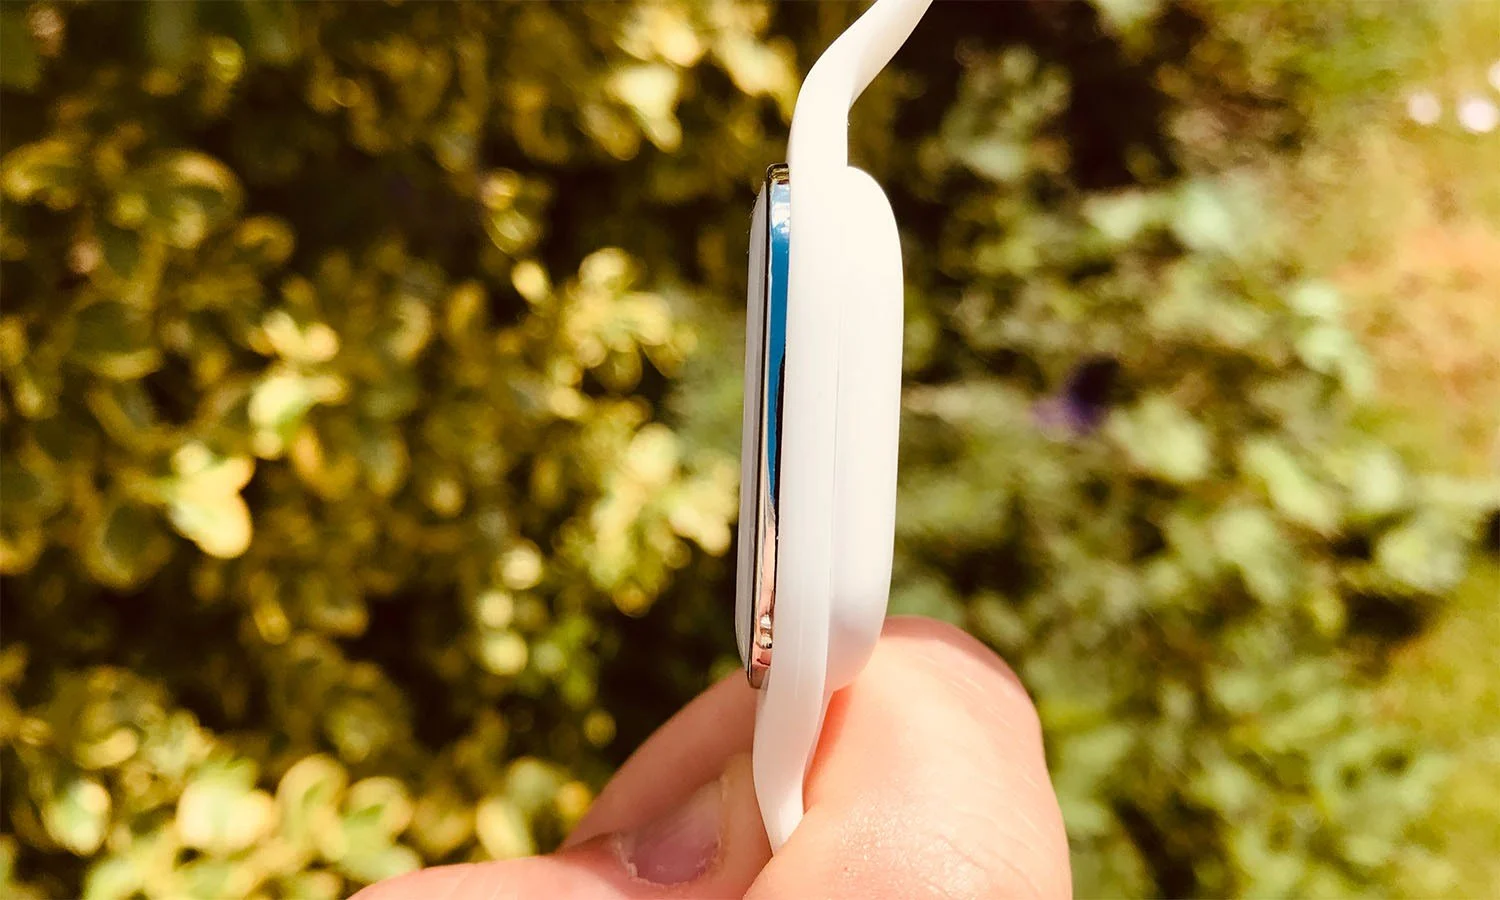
713, 843
708, 844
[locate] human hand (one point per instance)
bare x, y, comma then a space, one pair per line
929, 781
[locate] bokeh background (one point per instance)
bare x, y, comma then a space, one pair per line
370, 417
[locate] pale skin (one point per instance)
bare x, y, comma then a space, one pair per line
929, 782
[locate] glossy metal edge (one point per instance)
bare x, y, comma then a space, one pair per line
757, 302
767, 394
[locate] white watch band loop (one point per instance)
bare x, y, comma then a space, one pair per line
797, 688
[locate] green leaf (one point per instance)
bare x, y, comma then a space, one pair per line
1100, 750
998, 622
381, 801
113, 878
315, 884
760, 66
442, 821
997, 158
1248, 539
1163, 441
265, 241
1332, 350
277, 406
220, 814
211, 877
1318, 300
30, 486
1203, 220
333, 606
502, 829
1294, 493
1377, 482
308, 796
49, 171
180, 198
77, 814
1124, 16
503, 652
127, 546
1427, 554
123, 251
375, 862
651, 91
218, 523
531, 785
1226, 785
1121, 217
384, 458
114, 340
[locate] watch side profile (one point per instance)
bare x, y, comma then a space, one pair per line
760, 452
834, 452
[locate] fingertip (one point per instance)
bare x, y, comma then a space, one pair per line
590, 871
437, 881
967, 669
931, 771
945, 645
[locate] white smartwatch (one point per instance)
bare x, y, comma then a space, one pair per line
822, 411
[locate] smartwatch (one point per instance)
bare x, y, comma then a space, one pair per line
821, 418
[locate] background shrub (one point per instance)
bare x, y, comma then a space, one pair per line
370, 389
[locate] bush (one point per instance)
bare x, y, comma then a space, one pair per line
369, 443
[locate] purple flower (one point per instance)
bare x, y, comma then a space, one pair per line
1080, 407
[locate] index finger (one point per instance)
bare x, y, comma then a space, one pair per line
930, 780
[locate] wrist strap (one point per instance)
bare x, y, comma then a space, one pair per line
794, 698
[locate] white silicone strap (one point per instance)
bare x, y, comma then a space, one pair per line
795, 695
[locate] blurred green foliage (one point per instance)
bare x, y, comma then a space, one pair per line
369, 430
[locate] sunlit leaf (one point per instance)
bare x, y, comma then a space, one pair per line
502, 829
381, 801
372, 863
114, 878
442, 821
1426, 554
308, 797
220, 813
1163, 441
651, 92
1248, 539
1203, 219
77, 814
219, 523
1125, 16
49, 171
1294, 492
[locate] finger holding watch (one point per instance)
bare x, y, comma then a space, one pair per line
822, 411
929, 781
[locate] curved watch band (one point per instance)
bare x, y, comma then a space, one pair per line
826, 196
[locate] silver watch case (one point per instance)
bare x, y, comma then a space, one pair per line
765, 359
